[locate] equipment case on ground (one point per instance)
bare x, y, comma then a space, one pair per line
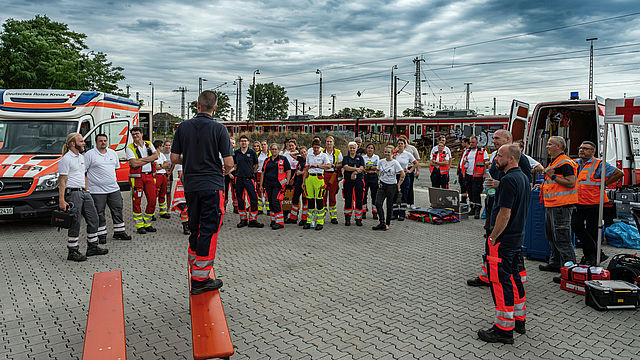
572, 278
611, 295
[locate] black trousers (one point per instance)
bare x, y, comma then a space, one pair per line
463, 182
248, 185
205, 217
410, 195
584, 224
352, 190
370, 185
439, 180
274, 202
388, 192
474, 188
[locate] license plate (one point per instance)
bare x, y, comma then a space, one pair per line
6, 211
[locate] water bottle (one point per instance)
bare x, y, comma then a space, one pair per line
489, 191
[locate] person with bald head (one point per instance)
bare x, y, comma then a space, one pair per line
560, 196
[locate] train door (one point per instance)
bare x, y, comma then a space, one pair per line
412, 132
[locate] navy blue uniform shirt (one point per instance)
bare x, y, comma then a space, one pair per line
514, 192
245, 163
201, 141
355, 162
270, 170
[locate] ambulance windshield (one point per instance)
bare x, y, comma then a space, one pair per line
34, 136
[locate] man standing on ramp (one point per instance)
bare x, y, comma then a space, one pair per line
205, 148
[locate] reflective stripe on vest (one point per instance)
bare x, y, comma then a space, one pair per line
588, 186
282, 175
554, 194
478, 171
440, 157
136, 172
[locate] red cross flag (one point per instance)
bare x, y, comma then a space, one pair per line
622, 111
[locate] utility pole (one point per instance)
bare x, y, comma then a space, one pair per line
128, 86
255, 103
494, 106
440, 103
417, 99
468, 92
161, 103
200, 81
591, 67
239, 109
320, 97
395, 106
391, 90
152, 97
138, 96
296, 107
182, 90
303, 108
333, 104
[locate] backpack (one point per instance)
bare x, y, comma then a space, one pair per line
625, 267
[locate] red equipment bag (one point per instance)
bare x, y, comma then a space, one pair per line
573, 277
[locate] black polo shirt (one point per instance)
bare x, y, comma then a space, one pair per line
523, 164
356, 162
270, 170
514, 192
245, 163
203, 143
301, 164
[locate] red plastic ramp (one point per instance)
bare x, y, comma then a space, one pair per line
104, 337
209, 328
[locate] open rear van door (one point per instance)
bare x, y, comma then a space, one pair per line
518, 120
634, 138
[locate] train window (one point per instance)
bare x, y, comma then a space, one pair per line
411, 127
419, 129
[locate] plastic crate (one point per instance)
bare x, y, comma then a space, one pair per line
535, 245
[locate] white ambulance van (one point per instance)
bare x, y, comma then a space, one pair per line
34, 125
576, 121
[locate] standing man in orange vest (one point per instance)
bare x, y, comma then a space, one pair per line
142, 169
440, 168
585, 219
560, 197
474, 159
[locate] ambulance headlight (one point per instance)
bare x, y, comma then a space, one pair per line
47, 182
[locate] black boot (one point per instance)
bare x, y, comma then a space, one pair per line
364, 214
242, 223
199, 287
493, 336
121, 236
94, 249
75, 255
255, 224
375, 216
347, 221
102, 239
358, 222
185, 228
165, 216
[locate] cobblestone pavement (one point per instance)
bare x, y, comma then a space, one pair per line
340, 293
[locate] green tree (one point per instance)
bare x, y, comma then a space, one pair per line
224, 106
412, 112
271, 102
40, 53
378, 114
361, 112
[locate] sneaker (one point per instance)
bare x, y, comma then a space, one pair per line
121, 236
302, 222
93, 249
347, 222
242, 224
557, 279
319, 227
150, 229
549, 268
185, 228
334, 221
255, 224
102, 239
166, 216
520, 329
153, 218
492, 336
199, 287
358, 222
477, 282
141, 231
277, 226
375, 216
290, 221
382, 227
306, 226
75, 255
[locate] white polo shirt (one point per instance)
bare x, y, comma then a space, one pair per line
320, 159
434, 150
101, 171
143, 153
161, 159
261, 158
72, 165
405, 159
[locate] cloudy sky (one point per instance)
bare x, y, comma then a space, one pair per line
530, 50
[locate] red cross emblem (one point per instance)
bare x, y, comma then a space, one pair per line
71, 95
628, 110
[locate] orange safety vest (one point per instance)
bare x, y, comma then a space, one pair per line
178, 196
554, 194
282, 175
136, 172
439, 157
588, 185
478, 171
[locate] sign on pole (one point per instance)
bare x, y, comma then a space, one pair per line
622, 111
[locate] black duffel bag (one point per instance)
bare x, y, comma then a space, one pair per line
625, 267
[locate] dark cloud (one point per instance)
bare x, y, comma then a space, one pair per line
150, 25
281, 41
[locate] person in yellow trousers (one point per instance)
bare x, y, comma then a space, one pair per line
313, 185
142, 168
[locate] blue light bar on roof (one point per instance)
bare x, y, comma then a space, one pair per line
85, 97
1, 96
574, 96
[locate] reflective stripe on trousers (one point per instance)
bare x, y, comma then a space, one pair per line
137, 218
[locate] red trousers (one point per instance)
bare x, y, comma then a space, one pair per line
331, 182
161, 191
144, 184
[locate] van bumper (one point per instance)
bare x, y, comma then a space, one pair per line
37, 204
